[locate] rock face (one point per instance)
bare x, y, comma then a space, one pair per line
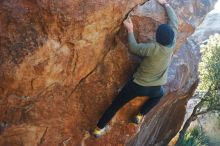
62, 63
208, 27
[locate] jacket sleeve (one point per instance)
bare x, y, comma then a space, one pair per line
140, 49
173, 20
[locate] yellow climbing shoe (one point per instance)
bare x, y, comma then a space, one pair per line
138, 118
99, 132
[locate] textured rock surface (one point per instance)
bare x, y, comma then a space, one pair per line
209, 27
62, 63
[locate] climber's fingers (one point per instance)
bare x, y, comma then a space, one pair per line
125, 23
129, 20
128, 24
162, 1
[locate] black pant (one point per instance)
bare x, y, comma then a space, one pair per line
129, 92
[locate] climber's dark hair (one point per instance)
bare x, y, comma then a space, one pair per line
165, 35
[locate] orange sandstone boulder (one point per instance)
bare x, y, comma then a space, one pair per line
62, 62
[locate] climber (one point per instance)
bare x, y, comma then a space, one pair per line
152, 72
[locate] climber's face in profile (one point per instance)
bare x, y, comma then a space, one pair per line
165, 35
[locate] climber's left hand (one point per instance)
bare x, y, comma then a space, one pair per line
128, 24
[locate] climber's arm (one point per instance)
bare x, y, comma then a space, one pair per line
173, 20
140, 49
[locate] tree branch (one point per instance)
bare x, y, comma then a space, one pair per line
208, 110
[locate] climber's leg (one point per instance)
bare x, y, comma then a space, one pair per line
155, 96
156, 92
125, 95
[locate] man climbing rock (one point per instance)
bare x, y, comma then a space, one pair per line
152, 72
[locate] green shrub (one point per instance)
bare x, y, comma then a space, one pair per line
218, 122
195, 137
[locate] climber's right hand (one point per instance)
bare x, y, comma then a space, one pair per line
162, 2
128, 24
